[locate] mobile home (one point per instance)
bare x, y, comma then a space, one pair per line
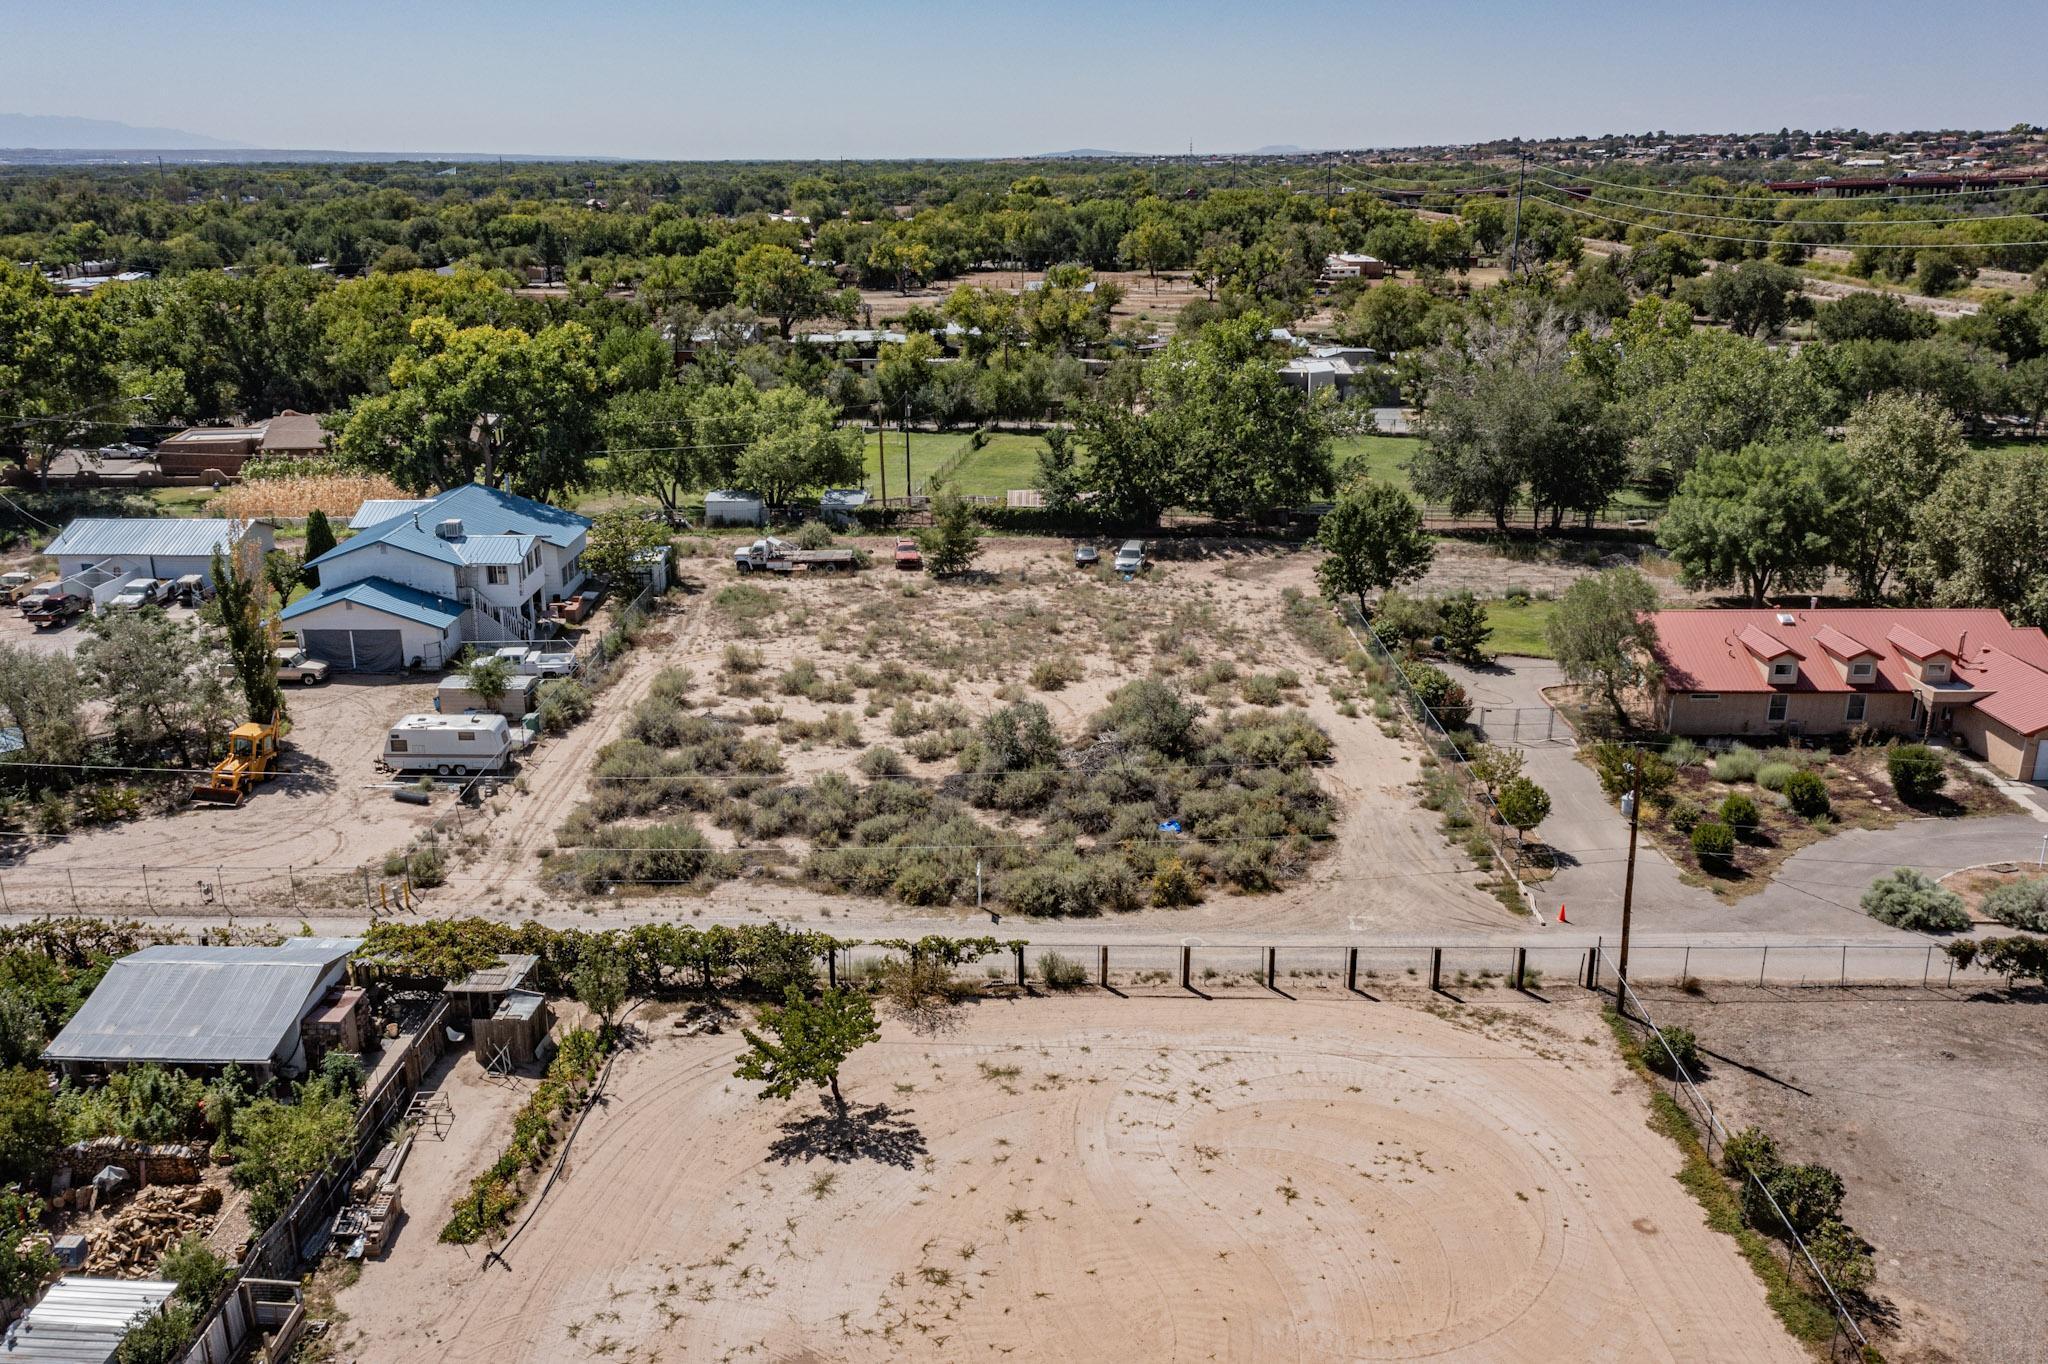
451, 745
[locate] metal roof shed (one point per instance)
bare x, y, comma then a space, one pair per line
204, 1006
81, 1320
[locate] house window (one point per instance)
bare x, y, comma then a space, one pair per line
1936, 671
1777, 710
1782, 672
1706, 696
1859, 672
496, 575
1855, 711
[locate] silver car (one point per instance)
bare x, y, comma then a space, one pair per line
1131, 557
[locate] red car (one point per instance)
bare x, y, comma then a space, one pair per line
907, 555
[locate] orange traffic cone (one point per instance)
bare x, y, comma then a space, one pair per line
1560, 913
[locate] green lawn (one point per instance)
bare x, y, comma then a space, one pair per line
1007, 461
182, 501
1518, 627
1385, 457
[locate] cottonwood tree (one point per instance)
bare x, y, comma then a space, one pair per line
774, 281
58, 368
1760, 518
614, 543
654, 446
810, 1041
1756, 298
240, 590
1897, 447
1601, 635
484, 404
1372, 540
1982, 538
42, 696
158, 678
796, 447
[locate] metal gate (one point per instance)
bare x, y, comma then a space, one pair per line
1520, 725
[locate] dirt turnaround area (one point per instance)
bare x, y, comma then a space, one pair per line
1097, 1178
1928, 1104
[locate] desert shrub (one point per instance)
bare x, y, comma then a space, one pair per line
1173, 884
664, 855
1739, 813
1403, 620
1750, 1149
739, 659
814, 535
1772, 776
1683, 752
1678, 1044
881, 761
744, 602
800, 679
1438, 691
1842, 1255
1151, 715
2022, 904
1065, 883
1907, 899
1807, 794
1051, 674
1918, 773
1061, 973
562, 703
1808, 1195
1740, 763
1686, 816
672, 685
1713, 843
1260, 689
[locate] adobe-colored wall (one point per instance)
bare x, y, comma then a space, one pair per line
2006, 750
1814, 713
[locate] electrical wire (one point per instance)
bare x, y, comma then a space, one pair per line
1569, 207
1803, 222
1748, 198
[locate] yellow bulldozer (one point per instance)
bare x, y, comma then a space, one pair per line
252, 757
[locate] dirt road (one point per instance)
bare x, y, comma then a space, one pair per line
1111, 1179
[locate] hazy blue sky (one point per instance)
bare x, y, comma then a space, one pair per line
796, 78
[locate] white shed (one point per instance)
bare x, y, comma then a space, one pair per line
98, 549
727, 507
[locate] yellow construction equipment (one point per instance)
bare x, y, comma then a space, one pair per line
252, 757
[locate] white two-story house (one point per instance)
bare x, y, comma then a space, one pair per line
474, 565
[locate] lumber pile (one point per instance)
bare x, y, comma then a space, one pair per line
137, 1235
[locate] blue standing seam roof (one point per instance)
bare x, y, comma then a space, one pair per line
381, 594
482, 512
378, 510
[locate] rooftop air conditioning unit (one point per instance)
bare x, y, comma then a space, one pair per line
451, 529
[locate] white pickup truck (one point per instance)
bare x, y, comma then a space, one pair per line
770, 555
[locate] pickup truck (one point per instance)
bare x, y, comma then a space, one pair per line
294, 665
15, 586
908, 555
771, 555
139, 593
47, 608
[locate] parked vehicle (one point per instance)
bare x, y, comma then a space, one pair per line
908, 555
15, 586
139, 593
1086, 556
1130, 558
539, 662
295, 665
123, 451
253, 756
48, 607
191, 589
451, 745
771, 555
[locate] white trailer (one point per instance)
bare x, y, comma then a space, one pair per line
451, 745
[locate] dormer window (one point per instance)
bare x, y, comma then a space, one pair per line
1934, 670
1861, 670
1784, 670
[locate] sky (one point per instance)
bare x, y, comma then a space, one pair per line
905, 78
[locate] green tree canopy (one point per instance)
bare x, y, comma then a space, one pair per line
1982, 538
1372, 540
1601, 635
1897, 447
1760, 518
804, 1042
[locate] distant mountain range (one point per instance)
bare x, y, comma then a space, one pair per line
1084, 153
94, 134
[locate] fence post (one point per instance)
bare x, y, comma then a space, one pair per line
72, 882
1762, 963
832, 966
1187, 961
1272, 962
1521, 967
1102, 966
1928, 969
1436, 968
1351, 970
1019, 950
1843, 979
147, 898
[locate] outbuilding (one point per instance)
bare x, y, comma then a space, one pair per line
96, 550
204, 1008
375, 625
729, 507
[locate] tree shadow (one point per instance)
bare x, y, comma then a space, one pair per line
872, 1132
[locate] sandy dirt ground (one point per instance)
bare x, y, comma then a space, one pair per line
1109, 1179
1388, 869
322, 818
1913, 1098
1158, 301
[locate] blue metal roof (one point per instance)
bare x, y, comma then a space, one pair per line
381, 594
482, 512
378, 510
169, 536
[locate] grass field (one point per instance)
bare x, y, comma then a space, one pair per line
1383, 458
1518, 627
1007, 461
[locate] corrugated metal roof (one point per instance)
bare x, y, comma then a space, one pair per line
492, 549
487, 511
81, 1320
200, 1005
196, 536
378, 510
381, 594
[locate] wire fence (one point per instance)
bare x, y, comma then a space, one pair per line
1714, 1136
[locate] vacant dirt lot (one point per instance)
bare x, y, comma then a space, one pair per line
1204, 618
1917, 1100
1092, 1178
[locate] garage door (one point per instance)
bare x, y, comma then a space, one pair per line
362, 651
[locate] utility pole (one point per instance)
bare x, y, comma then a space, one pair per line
906, 453
1521, 174
882, 462
1628, 880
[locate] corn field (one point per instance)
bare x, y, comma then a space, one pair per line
296, 497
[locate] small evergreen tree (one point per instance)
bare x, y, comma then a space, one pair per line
954, 541
243, 616
319, 539
1464, 627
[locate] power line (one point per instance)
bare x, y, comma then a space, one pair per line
1569, 207
1803, 222
1747, 198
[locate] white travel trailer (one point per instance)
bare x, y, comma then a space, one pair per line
451, 745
